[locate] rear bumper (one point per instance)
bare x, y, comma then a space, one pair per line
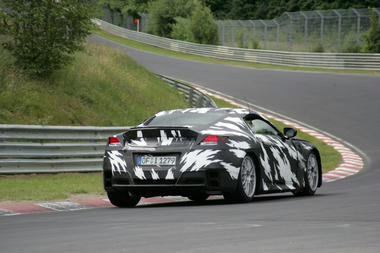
162, 190
211, 181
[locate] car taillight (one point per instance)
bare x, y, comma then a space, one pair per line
210, 140
113, 141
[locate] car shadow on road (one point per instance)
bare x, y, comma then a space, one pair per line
220, 201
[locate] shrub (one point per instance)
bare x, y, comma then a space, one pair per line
241, 39
352, 48
372, 39
3, 22
45, 33
254, 44
202, 25
162, 14
318, 48
181, 31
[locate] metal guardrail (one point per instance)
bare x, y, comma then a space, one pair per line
51, 149
193, 96
319, 60
35, 149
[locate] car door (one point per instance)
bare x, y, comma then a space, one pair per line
278, 153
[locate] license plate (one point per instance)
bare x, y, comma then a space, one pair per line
156, 160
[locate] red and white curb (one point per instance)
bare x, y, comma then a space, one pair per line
62, 206
351, 163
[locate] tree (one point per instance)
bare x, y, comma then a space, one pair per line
202, 26
45, 33
219, 8
126, 7
3, 22
268, 9
181, 31
372, 39
162, 14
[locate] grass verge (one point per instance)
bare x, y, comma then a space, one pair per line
49, 187
166, 52
102, 87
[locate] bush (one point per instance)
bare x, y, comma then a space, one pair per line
240, 38
45, 33
352, 48
181, 31
318, 48
3, 22
202, 25
162, 14
254, 43
372, 39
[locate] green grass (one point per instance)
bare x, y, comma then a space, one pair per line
329, 156
102, 87
49, 187
166, 52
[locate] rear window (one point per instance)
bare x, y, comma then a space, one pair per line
185, 119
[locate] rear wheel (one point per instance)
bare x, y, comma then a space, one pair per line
311, 176
199, 197
123, 198
246, 182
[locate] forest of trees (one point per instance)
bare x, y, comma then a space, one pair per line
268, 9
247, 9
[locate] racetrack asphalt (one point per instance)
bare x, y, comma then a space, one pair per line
344, 216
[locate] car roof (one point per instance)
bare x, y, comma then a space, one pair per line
228, 111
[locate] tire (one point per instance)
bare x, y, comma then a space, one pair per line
246, 183
199, 197
311, 176
123, 198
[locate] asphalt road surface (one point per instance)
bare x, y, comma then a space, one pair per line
344, 216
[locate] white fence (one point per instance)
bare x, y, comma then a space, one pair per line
319, 60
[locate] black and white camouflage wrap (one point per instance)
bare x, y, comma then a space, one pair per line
280, 161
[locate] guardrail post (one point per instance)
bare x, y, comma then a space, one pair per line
200, 101
175, 85
191, 98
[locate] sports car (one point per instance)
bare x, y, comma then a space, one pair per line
198, 152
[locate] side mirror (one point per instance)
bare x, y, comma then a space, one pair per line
290, 132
